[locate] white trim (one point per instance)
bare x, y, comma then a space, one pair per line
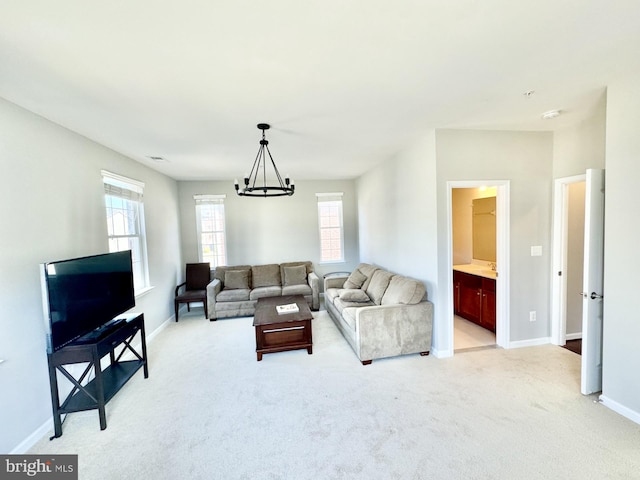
143, 291
335, 194
110, 177
619, 408
534, 342
206, 198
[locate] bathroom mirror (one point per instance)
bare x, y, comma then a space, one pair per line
484, 229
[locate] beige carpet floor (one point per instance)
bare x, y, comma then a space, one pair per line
209, 410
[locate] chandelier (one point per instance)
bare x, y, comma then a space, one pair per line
254, 188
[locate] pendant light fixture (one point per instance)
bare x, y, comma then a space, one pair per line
255, 184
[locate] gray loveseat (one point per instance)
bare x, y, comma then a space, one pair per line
235, 290
379, 313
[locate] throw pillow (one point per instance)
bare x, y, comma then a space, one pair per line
265, 275
295, 275
354, 295
234, 279
355, 280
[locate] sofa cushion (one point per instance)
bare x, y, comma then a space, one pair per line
236, 279
297, 290
403, 290
355, 280
308, 265
233, 295
265, 275
295, 275
220, 271
354, 295
331, 294
368, 271
262, 292
378, 285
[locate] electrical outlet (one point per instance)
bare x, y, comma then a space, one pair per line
532, 316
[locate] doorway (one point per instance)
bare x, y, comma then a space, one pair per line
593, 261
502, 259
568, 259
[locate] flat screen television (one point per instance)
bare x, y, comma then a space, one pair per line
81, 295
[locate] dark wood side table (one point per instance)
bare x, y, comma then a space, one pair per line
282, 332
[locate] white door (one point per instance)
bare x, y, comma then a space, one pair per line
592, 292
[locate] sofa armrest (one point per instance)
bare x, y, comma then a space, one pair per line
314, 283
390, 330
334, 281
213, 288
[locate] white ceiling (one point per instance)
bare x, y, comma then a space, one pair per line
344, 84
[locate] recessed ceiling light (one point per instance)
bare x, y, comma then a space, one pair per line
551, 114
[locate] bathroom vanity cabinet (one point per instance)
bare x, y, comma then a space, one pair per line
474, 298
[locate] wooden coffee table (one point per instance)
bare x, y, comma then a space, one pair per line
282, 332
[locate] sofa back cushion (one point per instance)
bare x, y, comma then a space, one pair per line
294, 275
355, 280
368, 271
265, 275
219, 272
236, 279
404, 291
378, 285
307, 265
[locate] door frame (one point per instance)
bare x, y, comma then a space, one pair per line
502, 257
559, 259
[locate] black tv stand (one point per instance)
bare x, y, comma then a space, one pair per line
106, 383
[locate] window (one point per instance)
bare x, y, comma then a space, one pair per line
212, 243
331, 229
125, 223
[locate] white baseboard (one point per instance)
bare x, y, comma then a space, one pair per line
574, 336
534, 342
24, 446
34, 438
621, 409
441, 353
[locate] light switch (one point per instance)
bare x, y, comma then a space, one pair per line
536, 251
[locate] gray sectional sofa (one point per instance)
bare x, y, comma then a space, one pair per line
235, 290
379, 313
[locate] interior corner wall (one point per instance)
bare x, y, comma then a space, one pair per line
621, 355
272, 230
582, 146
397, 214
52, 208
525, 159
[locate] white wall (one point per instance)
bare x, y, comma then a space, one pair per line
397, 214
582, 146
272, 230
52, 208
525, 159
621, 346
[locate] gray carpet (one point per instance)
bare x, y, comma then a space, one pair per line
209, 410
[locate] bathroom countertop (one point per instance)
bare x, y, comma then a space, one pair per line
474, 269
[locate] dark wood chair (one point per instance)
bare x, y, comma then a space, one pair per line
198, 276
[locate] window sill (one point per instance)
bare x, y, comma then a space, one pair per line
142, 292
332, 262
